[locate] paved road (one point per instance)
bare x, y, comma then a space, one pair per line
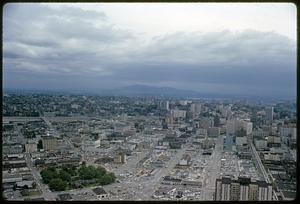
71, 118
143, 187
47, 194
212, 169
262, 168
49, 124
149, 186
20, 119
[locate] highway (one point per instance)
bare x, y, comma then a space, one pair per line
56, 118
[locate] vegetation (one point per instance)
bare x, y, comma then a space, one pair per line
40, 144
58, 184
65, 177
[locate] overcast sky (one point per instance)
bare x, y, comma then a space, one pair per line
206, 47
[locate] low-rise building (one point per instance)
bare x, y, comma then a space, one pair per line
101, 193
49, 143
31, 147
242, 189
185, 160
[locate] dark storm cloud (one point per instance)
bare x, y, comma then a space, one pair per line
70, 40
59, 47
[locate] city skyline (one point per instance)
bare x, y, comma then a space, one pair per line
209, 48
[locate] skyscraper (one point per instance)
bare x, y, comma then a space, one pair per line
164, 105
269, 114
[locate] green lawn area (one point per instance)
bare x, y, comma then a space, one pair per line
34, 192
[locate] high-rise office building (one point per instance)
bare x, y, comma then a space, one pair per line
242, 189
178, 113
165, 105
269, 114
236, 124
196, 108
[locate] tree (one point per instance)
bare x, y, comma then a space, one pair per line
87, 172
25, 192
70, 169
48, 175
65, 176
40, 144
58, 184
112, 175
100, 171
106, 179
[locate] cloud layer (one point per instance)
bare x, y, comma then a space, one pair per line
70, 47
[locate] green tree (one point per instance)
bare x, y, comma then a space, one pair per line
112, 175
100, 171
65, 176
70, 169
105, 179
48, 175
86, 172
40, 144
58, 184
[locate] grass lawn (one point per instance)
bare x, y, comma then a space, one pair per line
34, 192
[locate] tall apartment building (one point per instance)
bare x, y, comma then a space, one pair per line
49, 143
242, 189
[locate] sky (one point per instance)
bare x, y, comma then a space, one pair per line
216, 48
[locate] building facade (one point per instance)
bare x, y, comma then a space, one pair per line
49, 143
242, 189
31, 147
269, 114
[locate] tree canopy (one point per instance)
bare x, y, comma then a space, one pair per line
61, 178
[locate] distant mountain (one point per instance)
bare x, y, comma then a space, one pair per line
143, 90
